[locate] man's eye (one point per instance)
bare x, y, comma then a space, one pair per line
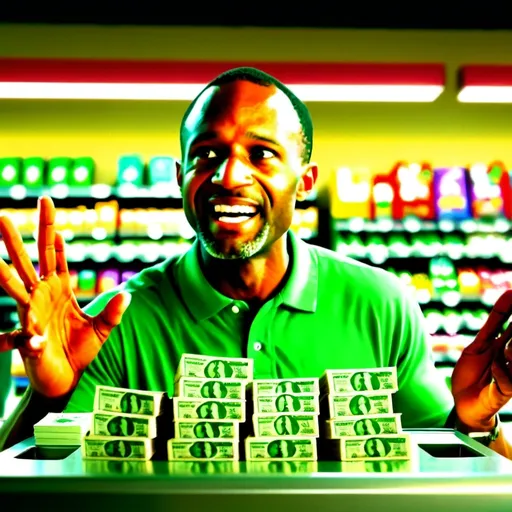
260, 153
206, 153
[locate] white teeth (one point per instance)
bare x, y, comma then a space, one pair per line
234, 220
235, 208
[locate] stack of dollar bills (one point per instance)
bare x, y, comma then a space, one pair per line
124, 424
285, 420
62, 429
361, 423
209, 405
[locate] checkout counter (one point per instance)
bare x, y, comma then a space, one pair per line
448, 471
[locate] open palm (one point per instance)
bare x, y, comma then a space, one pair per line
57, 340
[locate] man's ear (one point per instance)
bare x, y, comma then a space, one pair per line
179, 175
307, 181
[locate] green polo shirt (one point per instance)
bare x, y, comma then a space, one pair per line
333, 312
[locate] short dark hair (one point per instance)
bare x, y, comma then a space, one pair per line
259, 77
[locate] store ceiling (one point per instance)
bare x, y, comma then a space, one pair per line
434, 14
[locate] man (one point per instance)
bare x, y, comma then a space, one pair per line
247, 287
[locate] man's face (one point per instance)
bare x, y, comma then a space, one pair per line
242, 168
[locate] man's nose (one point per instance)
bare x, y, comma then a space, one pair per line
232, 173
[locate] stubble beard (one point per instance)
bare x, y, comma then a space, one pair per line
244, 251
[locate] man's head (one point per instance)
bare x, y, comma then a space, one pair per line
246, 144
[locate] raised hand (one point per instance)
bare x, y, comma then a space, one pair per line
57, 340
482, 378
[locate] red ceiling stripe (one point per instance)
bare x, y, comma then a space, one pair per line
486, 75
147, 71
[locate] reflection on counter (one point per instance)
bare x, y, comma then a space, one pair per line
376, 466
204, 467
118, 467
282, 466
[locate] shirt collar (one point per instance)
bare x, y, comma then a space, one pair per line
301, 289
203, 301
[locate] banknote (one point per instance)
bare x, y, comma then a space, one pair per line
126, 425
386, 446
363, 425
198, 429
202, 408
117, 448
266, 387
366, 379
272, 425
359, 404
376, 466
133, 401
292, 448
193, 387
208, 367
204, 467
192, 449
287, 403
282, 466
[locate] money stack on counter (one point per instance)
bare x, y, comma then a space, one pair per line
361, 424
124, 424
62, 429
285, 420
209, 406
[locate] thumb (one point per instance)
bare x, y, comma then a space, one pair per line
111, 316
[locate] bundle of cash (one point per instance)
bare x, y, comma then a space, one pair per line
210, 429
204, 408
359, 404
280, 448
209, 405
287, 403
62, 429
354, 381
275, 425
270, 387
286, 412
127, 425
363, 426
208, 367
124, 424
132, 401
193, 387
196, 449
385, 446
117, 448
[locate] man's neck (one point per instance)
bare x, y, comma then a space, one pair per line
253, 280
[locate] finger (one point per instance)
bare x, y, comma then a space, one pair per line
12, 284
61, 265
16, 250
111, 316
497, 318
31, 346
46, 236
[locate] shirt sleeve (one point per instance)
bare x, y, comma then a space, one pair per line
423, 396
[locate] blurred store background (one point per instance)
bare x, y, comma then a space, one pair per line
415, 179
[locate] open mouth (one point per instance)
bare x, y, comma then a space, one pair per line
233, 214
